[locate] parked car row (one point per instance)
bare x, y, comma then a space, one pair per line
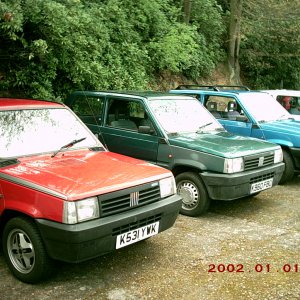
69, 193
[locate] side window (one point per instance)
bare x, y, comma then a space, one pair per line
127, 114
89, 109
223, 107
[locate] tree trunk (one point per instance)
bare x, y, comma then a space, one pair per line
234, 40
187, 6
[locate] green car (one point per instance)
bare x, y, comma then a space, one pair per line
178, 133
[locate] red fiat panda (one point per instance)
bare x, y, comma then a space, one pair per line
63, 196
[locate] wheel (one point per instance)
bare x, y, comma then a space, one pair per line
289, 169
195, 200
24, 251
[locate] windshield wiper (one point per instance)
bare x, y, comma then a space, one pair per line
68, 145
203, 126
281, 118
220, 129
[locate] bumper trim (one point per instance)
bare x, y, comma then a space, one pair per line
235, 186
79, 242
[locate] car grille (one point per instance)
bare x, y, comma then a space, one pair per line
262, 177
259, 161
135, 225
120, 201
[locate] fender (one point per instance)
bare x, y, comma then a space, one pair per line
31, 202
189, 164
281, 142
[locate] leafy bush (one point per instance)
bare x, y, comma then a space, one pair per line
270, 45
51, 47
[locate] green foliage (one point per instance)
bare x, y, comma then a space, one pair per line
51, 47
207, 46
270, 46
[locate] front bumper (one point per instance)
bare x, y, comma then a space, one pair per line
235, 186
83, 241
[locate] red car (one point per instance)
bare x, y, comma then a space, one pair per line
63, 196
289, 99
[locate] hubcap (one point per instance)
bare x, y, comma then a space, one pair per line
189, 193
20, 251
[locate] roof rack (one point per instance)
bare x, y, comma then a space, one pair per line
195, 87
233, 87
217, 87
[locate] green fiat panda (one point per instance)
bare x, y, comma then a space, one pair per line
178, 133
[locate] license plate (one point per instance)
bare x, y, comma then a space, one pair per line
262, 185
136, 235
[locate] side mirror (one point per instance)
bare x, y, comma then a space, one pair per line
242, 119
145, 129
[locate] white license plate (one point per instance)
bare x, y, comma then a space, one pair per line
262, 185
136, 235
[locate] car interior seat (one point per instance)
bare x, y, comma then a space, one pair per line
212, 108
231, 110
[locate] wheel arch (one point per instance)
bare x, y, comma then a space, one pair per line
9, 214
177, 169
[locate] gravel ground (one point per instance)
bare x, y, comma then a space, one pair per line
256, 241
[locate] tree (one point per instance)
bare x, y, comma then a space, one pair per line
187, 6
270, 45
234, 40
51, 47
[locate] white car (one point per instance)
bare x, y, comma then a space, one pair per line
289, 99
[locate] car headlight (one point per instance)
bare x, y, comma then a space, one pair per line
167, 187
80, 211
278, 156
233, 165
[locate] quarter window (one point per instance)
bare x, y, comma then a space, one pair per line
89, 109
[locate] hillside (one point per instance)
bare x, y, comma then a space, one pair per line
220, 75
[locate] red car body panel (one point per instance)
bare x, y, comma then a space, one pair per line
81, 174
71, 175
7, 104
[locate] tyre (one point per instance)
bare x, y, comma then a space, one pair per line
195, 200
289, 169
24, 251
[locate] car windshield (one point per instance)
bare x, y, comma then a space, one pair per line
183, 115
263, 107
35, 131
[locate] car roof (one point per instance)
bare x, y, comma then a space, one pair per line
225, 90
135, 94
18, 103
214, 92
282, 92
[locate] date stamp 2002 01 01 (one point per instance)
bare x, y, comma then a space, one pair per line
259, 268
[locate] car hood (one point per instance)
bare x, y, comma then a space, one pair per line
285, 130
224, 144
78, 175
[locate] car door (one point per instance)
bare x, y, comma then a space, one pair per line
122, 130
230, 114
